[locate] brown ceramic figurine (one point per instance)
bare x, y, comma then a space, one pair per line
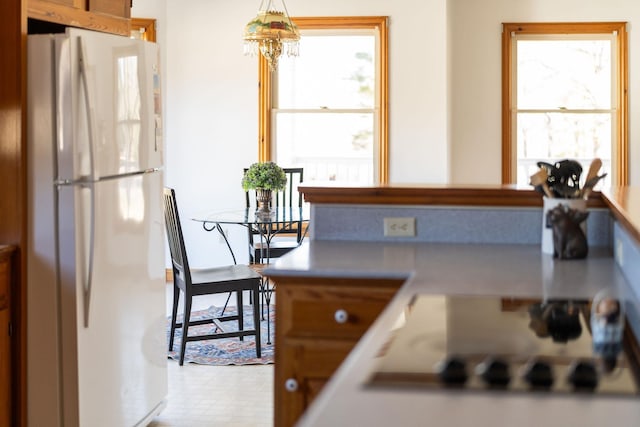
569, 241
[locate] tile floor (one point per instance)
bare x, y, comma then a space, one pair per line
211, 396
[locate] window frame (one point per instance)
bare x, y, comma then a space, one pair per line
619, 159
265, 86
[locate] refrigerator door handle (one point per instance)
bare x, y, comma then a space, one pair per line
88, 280
84, 76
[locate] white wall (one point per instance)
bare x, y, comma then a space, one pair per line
476, 76
444, 92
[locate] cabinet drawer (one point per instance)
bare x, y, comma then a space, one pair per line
317, 358
334, 312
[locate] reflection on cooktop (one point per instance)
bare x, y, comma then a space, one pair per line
515, 345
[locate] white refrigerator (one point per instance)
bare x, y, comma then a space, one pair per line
96, 348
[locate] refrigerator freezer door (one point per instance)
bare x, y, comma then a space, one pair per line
109, 106
117, 363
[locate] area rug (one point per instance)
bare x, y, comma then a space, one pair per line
224, 351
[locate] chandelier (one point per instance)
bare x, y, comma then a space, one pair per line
270, 32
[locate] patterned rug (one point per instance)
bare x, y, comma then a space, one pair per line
224, 351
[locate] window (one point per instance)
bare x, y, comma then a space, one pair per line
325, 110
564, 96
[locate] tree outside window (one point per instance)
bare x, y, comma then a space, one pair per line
325, 110
564, 97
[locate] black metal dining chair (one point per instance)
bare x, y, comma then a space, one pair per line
285, 235
195, 282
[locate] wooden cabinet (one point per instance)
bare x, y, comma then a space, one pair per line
318, 322
111, 16
5, 339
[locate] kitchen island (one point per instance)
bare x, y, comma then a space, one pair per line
472, 262
508, 270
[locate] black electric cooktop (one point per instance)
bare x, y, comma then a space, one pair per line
494, 344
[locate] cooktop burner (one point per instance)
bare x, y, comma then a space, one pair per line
505, 344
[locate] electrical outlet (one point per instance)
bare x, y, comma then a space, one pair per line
400, 227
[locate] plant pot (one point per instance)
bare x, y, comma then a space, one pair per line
263, 197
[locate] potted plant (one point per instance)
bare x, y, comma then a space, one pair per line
264, 178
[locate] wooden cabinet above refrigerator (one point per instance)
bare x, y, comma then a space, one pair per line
110, 16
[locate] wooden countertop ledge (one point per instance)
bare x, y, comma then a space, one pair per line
416, 194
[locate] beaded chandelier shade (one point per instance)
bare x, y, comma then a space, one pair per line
271, 33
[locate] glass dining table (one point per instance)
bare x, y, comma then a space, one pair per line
266, 225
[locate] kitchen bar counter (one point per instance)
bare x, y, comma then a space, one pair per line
507, 270
482, 240
418, 194
624, 202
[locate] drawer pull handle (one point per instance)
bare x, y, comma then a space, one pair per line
291, 385
341, 316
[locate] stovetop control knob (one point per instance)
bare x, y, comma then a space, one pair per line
494, 372
539, 375
583, 376
452, 371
